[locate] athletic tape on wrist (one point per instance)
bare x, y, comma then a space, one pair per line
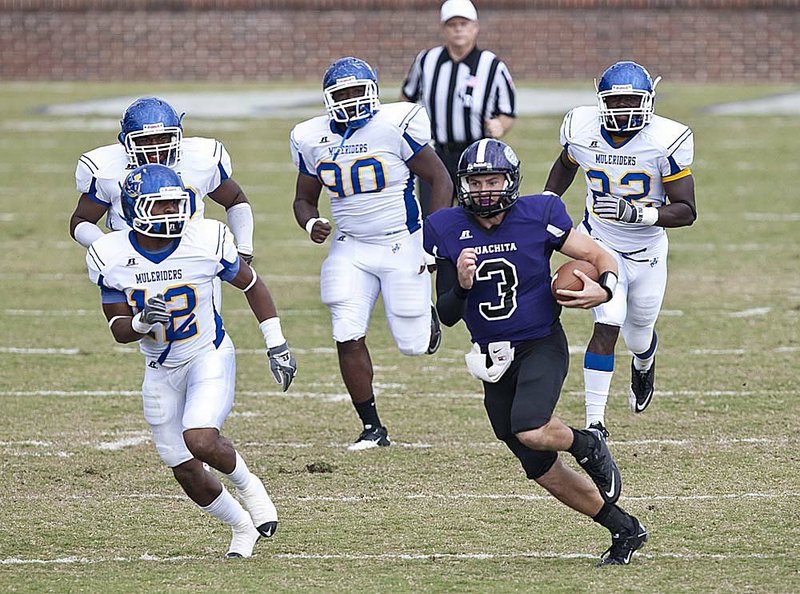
310, 223
273, 335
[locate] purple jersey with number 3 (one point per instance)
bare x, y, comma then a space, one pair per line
510, 299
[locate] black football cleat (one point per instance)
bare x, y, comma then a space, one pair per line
599, 427
624, 545
601, 468
643, 384
436, 332
371, 438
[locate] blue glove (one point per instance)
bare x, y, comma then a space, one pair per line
282, 365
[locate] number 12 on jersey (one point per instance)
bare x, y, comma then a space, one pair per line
365, 175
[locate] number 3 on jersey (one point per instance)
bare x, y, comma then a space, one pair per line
175, 331
365, 175
504, 273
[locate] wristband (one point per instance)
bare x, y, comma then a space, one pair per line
649, 215
271, 329
310, 223
139, 326
608, 280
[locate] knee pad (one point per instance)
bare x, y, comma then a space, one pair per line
639, 339
535, 463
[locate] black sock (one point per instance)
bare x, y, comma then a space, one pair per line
368, 413
581, 443
614, 518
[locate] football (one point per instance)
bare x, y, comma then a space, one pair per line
564, 278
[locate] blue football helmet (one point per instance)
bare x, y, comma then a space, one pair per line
627, 79
350, 73
151, 132
484, 157
148, 186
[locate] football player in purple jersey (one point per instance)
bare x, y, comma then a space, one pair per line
493, 271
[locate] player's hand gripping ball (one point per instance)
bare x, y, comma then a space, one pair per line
565, 278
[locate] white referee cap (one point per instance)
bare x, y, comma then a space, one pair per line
458, 8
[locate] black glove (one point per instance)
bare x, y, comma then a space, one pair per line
282, 365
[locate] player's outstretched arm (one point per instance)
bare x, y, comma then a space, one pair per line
240, 215
281, 362
428, 166
83, 222
562, 173
582, 247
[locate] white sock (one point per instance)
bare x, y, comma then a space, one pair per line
597, 385
240, 476
226, 509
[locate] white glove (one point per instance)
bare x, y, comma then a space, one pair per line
613, 208
501, 354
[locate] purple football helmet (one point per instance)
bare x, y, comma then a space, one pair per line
484, 157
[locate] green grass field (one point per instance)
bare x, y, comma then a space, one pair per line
711, 468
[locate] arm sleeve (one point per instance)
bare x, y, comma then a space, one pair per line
297, 155
412, 86
504, 93
240, 220
416, 130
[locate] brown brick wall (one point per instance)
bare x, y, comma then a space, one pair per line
755, 40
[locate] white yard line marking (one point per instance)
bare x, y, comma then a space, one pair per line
126, 442
421, 496
38, 351
478, 556
749, 313
339, 396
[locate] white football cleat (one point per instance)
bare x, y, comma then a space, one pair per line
242, 542
257, 501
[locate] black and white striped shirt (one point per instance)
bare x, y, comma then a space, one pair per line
460, 96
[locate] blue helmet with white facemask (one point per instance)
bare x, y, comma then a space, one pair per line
350, 73
481, 158
627, 79
148, 186
150, 119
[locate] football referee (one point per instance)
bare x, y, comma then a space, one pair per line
467, 91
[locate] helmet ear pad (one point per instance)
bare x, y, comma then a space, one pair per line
483, 157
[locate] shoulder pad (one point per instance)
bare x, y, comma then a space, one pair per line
201, 153
310, 129
666, 133
106, 162
581, 120
397, 113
